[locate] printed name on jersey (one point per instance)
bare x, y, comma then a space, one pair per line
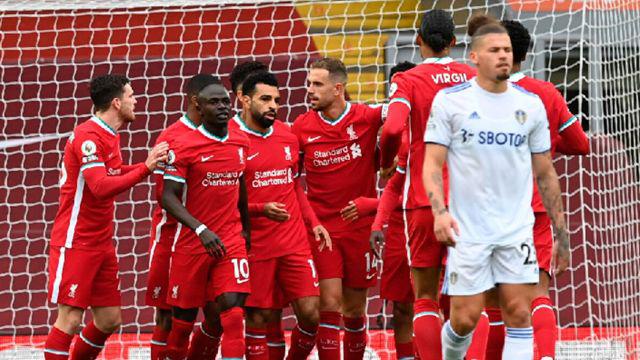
337, 156
521, 116
445, 78
229, 178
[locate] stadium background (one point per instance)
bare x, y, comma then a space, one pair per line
51, 48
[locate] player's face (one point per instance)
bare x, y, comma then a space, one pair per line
322, 91
127, 104
493, 56
264, 104
214, 105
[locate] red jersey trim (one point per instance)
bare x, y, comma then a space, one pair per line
339, 119
103, 125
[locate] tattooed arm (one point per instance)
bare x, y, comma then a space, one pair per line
549, 189
434, 158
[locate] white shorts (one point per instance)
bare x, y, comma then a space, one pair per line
474, 268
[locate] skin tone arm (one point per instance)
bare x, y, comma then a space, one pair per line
549, 189
171, 202
243, 207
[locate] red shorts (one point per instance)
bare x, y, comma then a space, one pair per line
543, 241
83, 278
426, 251
278, 281
395, 280
195, 279
158, 279
350, 260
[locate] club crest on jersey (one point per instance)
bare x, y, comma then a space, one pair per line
241, 155
287, 153
156, 292
72, 290
392, 89
171, 157
521, 116
352, 133
88, 148
174, 292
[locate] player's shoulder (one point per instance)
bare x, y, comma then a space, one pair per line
238, 137
303, 121
523, 90
456, 89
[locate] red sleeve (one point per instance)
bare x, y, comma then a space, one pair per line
256, 209
388, 201
127, 168
397, 113
308, 215
366, 206
103, 186
573, 140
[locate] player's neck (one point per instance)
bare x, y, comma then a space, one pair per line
427, 53
193, 115
110, 118
217, 130
335, 109
491, 85
516, 68
246, 117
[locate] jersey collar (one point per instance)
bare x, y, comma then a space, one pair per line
209, 135
339, 119
517, 76
103, 125
436, 60
188, 122
243, 126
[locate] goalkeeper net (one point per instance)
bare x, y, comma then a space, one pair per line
50, 50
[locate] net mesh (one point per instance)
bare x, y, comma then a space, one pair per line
50, 49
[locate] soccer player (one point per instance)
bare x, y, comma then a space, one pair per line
280, 258
338, 142
411, 95
568, 138
204, 190
83, 268
163, 226
493, 136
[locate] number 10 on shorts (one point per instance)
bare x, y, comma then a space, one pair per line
241, 270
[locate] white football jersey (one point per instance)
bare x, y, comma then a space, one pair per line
490, 138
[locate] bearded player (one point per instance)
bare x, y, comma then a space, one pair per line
83, 268
338, 142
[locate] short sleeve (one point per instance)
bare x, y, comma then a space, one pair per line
400, 90
177, 164
88, 149
539, 137
439, 129
561, 110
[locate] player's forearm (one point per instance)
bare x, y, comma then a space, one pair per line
388, 202
549, 189
256, 209
243, 208
104, 187
308, 215
172, 204
366, 206
433, 184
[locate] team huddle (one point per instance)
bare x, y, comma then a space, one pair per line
239, 235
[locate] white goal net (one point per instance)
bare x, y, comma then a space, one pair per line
50, 49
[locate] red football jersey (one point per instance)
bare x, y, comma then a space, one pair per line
416, 89
84, 221
163, 225
272, 166
558, 114
339, 160
210, 167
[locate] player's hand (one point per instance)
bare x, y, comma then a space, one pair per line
387, 173
350, 212
322, 236
276, 211
560, 254
157, 154
212, 244
443, 225
376, 240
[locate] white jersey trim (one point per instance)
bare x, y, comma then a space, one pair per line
56, 283
75, 211
339, 119
436, 60
158, 232
179, 227
103, 125
188, 122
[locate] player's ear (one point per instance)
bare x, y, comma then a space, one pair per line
340, 88
116, 103
453, 42
419, 41
193, 100
245, 99
473, 56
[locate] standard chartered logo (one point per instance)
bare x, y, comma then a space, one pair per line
356, 151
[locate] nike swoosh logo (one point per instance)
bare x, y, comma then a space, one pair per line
312, 139
369, 277
206, 158
316, 284
252, 156
242, 281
